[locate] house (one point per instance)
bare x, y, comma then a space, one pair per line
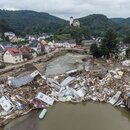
9, 34
37, 46
44, 36
72, 43
43, 42
74, 22
6, 45
26, 52
13, 55
47, 47
13, 39
87, 44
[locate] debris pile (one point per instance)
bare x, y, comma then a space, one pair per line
20, 95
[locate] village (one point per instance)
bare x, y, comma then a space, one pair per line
25, 87
33, 90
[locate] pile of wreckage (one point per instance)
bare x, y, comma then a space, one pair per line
20, 95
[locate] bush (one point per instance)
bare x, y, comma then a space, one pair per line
2, 65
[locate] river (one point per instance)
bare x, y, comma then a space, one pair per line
68, 116
64, 63
64, 116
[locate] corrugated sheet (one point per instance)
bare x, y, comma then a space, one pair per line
18, 82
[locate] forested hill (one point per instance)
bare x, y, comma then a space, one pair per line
97, 23
123, 21
31, 21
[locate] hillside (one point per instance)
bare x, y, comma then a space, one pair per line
31, 21
121, 21
118, 20
97, 23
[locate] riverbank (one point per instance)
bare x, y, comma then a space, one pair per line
43, 58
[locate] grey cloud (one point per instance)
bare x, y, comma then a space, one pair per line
76, 8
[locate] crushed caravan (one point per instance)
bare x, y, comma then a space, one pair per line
115, 98
6, 104
45, 98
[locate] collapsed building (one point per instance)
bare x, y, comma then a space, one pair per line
22, 94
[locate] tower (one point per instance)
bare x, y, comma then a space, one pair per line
71, 21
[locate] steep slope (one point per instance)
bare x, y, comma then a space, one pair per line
97, 23
31, 21
121, 21
118, 20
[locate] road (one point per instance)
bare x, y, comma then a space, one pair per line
43, 57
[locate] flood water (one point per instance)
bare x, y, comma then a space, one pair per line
85, 116
67, 116
64, 63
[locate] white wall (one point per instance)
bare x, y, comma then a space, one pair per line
8, 58
37, 49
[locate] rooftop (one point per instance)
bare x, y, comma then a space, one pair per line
14, 51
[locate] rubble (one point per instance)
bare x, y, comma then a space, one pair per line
20, 95
6, 104
45, 98
115, 98
126, 63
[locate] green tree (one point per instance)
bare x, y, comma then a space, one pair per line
109, 43
4, 26
95, 50
126, 39
78, 33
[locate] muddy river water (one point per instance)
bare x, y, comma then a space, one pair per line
67, 116
85, 116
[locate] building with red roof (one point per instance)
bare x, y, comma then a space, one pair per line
13, 55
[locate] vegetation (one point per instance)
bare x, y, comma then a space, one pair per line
126, 39
95, 50
31, 22
108, 45
4, 26
96, 23
77, 33
127, 52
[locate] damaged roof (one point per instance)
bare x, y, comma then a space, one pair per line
18, 82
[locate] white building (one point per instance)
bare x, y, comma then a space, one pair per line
74, 22
37, 46
9, 34
13, 55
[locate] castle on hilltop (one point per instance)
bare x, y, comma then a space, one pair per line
74, 22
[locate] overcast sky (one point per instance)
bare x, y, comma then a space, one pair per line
67, 8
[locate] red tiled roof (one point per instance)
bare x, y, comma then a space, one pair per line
14, 51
